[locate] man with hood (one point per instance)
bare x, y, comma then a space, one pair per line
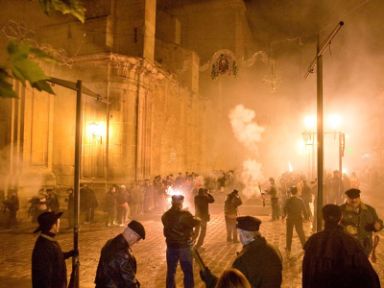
48, 261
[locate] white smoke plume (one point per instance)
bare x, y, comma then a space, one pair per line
248, 133
245, 128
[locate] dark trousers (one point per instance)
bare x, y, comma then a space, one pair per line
184, 255
110, 217
90, 214
203, 232
275, 208
121, 214
298, 224
231, 228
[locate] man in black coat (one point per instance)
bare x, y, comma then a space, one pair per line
259, 261
179, 233
334, 259
48, 261
117, 265
202, 200
294, 211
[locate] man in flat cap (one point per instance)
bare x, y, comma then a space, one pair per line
179, 232
359, 219
117, 265
258, 261
48, 261
334, 259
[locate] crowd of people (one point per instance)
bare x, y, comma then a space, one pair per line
337, 256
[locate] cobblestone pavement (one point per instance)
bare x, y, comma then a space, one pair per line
16, 248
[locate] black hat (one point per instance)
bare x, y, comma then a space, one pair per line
46, 220
177, 198
331, 213
248, 223
353, 193
138, 228
235, 191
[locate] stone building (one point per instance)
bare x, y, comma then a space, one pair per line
145, 59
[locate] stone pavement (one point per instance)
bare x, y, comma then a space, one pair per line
17, 245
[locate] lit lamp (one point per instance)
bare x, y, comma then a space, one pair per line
96, 131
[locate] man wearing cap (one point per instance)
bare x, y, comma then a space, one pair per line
117, 265
359, 219
231, 204
258, 261
179, 232
48, 261
202, 201
334, 259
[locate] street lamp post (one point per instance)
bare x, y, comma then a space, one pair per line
318, 61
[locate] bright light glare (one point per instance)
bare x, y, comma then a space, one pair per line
96, 129
345, 170
310, 122
334, 121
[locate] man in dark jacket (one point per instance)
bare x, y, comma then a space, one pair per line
359, 219
117, 265
179, 232
334, 259
202, 200
258, 261
48, 261
294, 211
231, 204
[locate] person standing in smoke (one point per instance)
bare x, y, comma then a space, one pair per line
294, 211
179, 233
306, 195
334, 259
110, 206
202, 201
11, 206
231, 204
272, 191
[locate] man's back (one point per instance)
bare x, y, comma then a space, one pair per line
294, 208
334, 259
260, 263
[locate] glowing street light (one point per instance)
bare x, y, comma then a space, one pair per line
96, 131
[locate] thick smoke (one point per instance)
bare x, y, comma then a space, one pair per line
248, 133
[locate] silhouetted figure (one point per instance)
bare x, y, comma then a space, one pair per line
272, 191
202, 201
294, 211
231, 204
334, 259
11, 206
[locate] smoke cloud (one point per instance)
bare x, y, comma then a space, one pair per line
248, 133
